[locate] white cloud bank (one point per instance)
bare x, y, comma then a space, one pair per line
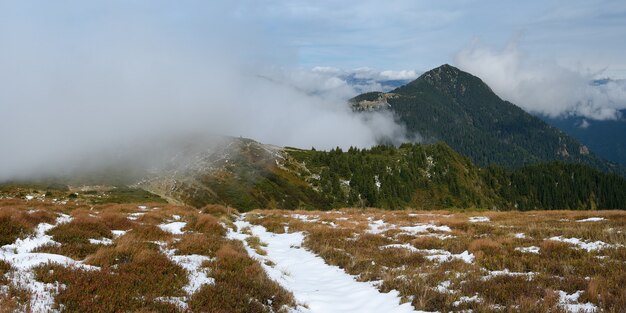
543, 87
80, 83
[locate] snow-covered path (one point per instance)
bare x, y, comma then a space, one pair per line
319, 286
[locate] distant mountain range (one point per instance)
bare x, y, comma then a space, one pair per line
607, 138
449, 105
361, 84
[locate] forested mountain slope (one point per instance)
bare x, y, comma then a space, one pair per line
449, 105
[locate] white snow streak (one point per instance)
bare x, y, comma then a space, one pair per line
173, 228
479, 219
23, 260
569, 302
589, 246
322, 287
591, 219
531, 249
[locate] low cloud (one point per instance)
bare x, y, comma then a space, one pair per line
543, 86
79, 88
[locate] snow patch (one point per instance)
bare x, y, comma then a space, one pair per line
591, 219
465, 299
444, 287
306, 218
118, 233
400, 246
21, 257
135, 216
173, 228
377, 226
569, 302
198, 276
442, 256
322, 287
101, 241
531, 249
424, 228
589, 246
506, 272
479, 219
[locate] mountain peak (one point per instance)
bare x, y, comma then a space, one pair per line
449, 80
447, 74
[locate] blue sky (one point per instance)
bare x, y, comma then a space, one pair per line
394, 34
401, 34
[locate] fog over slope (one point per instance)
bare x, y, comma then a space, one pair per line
543, 86
82, 83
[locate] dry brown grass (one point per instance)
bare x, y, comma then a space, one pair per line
207, 224
13, 298
341, 238
134, 285
74, 237
135, 275
241, 285
19, 223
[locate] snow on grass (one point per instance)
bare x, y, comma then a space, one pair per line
506, 272
197, 275
21, 257
479, 219
173, 228
444, 287
39, 239
434, 254
591, 219
466, 299
424, 228
442, 256
306, 218
400, 246
569, 303
531, 249
118, 233
321, 287
435, 235
520, 235
135, 216
589, 246
101, 241
180, 302
377, 226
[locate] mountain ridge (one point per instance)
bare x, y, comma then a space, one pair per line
456, 107
245, 174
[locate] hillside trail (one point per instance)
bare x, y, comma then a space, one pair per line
316, 286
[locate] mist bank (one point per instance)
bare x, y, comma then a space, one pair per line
75, 91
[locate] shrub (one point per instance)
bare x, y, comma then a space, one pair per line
237, 274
